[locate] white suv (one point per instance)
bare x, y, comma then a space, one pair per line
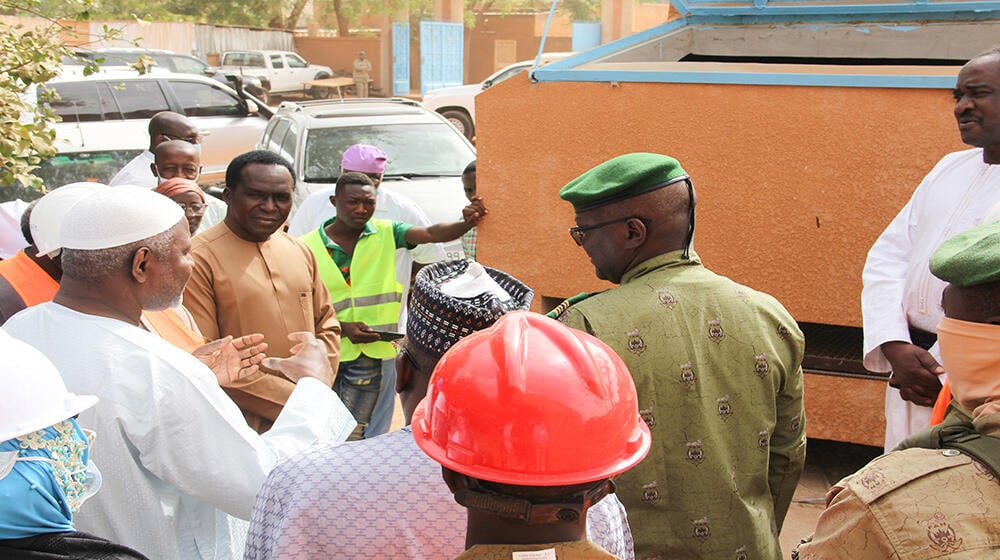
105, 119
458, 104
426, 155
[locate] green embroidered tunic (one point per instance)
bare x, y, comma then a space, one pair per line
717, 367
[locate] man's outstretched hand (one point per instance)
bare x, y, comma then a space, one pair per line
309, 359
232, 359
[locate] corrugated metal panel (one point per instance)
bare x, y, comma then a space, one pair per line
217, 39
185, 38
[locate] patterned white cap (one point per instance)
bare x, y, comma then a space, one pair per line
115, 217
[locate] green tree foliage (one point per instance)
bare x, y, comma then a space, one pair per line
31, 56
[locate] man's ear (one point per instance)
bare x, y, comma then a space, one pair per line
152, 169
140, 264
404, 375
227, 195
333, 200
635, 233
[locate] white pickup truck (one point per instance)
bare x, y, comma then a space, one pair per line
278, 71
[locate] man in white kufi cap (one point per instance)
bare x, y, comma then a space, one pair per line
176, 453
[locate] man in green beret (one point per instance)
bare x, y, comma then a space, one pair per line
717, 367
936, 495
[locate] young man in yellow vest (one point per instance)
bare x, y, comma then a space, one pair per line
356, 257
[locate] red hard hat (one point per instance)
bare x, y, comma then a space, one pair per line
531, 402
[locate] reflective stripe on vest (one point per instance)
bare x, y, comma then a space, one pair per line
373, 296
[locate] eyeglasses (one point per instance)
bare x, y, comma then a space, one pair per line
193, 207
408, 357
189, 139
579, 233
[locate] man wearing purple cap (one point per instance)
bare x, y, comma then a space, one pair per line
356, 257
318, 208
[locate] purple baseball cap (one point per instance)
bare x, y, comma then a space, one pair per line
363, 158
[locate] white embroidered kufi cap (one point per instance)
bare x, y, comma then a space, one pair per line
50, 211
119, 216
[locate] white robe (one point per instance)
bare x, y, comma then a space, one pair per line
899, 289
175, 452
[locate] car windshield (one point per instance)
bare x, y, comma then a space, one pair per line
432, 149
66, 168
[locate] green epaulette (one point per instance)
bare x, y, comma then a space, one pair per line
957, 432
566, 304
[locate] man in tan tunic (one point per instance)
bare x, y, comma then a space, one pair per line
250, 277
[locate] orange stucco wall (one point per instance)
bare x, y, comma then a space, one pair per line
339, 53
794, 183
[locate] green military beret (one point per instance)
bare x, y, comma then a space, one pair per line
970, 258
620, 178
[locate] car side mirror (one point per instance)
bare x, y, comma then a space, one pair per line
209, 71
487, 84
252, 107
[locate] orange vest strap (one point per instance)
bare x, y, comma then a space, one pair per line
29, 280
941, 404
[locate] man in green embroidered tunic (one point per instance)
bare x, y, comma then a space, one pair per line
356, 258
717, 367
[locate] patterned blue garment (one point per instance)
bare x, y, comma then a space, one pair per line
48, 481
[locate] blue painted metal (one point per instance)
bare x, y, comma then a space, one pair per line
400, 58
565, 70
586, 35
945, 8
545, 35
441, 55
549, 74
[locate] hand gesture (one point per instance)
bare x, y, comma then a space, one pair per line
914, 372
309, 359
358, 333
475, 211
233, 359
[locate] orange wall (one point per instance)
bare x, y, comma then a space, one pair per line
526, 29
794, 183
339, 53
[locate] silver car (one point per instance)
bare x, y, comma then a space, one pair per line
110, 111
426, 155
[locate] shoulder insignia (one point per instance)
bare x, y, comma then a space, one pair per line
566, 304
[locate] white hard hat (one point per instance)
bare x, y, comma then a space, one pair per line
33, 394
47, 217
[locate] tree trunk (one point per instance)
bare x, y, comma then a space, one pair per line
343, 26
297, 9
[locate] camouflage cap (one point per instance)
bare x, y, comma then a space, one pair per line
620, 178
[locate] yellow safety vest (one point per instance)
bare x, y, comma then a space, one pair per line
373, 296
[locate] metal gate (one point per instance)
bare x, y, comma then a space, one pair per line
441, 54
400, 58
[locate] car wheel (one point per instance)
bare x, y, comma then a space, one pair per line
320, 92
461, 121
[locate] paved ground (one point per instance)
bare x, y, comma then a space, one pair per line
826, 463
